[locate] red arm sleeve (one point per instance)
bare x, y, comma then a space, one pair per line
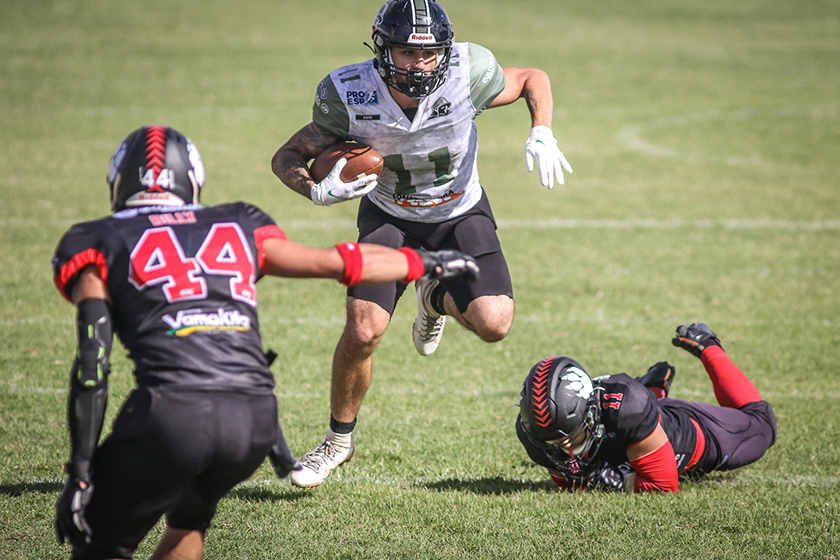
656, 471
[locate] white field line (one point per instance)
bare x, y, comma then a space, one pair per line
632, 136
630, 223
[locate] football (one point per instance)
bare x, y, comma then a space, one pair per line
361, 160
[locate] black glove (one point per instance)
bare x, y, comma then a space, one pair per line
659, 376
603, 476
281, 456
695, 338
70, 522
449, 265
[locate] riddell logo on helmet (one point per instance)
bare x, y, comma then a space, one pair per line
421, 38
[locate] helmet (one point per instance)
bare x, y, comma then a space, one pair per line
414, 24
155, 166
558, 403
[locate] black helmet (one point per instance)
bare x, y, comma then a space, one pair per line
558, 402
155, 166
413, 24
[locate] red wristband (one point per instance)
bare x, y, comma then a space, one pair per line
415, 265
352, 255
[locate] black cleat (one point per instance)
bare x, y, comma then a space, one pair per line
695, 338
659, 376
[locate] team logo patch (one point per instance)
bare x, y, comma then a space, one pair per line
579, 382
362, 98
441, 108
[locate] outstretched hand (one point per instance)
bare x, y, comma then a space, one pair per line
448, 264
542, 147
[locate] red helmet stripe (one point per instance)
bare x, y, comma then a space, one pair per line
155, 153
539, 393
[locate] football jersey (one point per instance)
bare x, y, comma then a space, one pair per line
430, 172
182, 283
630, 413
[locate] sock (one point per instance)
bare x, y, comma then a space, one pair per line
436, 299
732, 388
341, 433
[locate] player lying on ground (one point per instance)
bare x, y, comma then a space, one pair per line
176, 281
415, 102
619, 433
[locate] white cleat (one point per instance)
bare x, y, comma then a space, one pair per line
428, 326
320, 462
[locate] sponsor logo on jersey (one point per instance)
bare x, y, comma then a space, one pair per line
414, 202
491, 71
324, 108
362, 98
322, 89
367, 117
188, 321
441, 108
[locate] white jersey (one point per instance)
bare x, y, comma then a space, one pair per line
430, 172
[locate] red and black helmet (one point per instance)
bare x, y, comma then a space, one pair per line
412, 24
155, 166
558, 402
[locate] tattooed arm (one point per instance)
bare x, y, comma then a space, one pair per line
290, 161
534, 86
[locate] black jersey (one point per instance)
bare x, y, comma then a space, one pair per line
630, 413
182, 283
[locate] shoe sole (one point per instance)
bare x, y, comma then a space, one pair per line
347, 460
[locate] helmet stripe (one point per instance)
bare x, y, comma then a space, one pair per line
421, 12
539, 393
155, 152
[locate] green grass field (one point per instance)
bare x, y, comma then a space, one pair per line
705, 138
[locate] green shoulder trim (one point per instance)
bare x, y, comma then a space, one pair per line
329, 113
486, 77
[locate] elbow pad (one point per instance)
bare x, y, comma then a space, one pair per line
89, 382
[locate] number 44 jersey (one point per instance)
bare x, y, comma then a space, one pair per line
182, 288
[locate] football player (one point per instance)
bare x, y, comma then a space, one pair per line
619, 433
415, 103
176, 282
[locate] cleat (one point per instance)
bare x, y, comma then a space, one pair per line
659, 378
428, 326
317, 465
695, 338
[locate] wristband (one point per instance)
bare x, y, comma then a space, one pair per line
352, 255
416, 268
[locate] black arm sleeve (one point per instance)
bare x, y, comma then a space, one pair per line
89, 384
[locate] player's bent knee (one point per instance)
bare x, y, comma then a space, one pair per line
494, 333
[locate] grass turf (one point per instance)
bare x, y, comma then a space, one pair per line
704, 137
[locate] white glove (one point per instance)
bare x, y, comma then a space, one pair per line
542, 146
332, 189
